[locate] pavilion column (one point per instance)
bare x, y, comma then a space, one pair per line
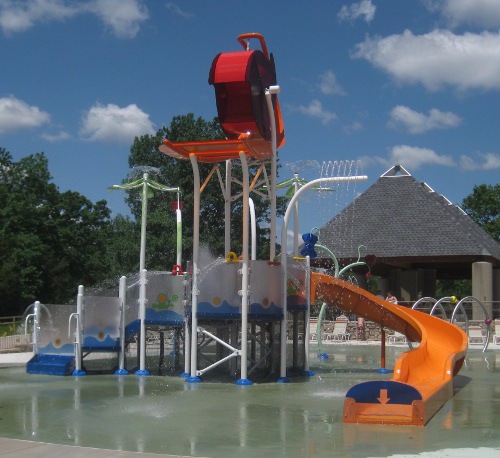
482, 288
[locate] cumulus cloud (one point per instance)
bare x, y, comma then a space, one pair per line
18, 16
411, 157
353, 127
113, 124
417, 123
176, 9
328, 84
484, 161
482, 13
123, 17
18, 115
438, 58
60, 136
315, 110
364, 9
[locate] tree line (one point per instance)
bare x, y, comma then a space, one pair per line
52, 241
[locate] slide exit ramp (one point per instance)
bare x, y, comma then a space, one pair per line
422, 380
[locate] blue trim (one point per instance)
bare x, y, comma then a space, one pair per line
244, 382
193, 380
184, 375
308, 373
78, 373
322, 356
383, 370
283, 380
142, 373
121, 372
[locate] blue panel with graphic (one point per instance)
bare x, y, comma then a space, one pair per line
384, 392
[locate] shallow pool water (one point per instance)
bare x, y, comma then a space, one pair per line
300, 419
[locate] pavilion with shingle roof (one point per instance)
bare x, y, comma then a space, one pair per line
411, 235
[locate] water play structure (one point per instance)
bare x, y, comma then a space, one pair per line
237, 313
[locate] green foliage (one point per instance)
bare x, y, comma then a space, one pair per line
458, 288
50, 241
483, 206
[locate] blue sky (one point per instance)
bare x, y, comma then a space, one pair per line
415, 82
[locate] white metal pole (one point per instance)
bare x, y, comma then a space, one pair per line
244, 280
36, 326
122, 294
253, 223
196, 251
178, 215
296, 219
269, 101
78, 333
227, 209
308, 316
142, 317
290, 208
142, 259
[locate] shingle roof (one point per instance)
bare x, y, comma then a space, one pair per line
399, 217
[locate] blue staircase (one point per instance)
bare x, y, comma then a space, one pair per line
51, 364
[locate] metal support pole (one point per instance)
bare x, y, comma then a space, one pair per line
244, 280
122, 294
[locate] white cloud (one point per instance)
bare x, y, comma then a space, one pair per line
175, 9
62, 135
123, 17
315, 110
364, 9
486, 161
437, 58
410, 157
113, 124
353, 127
18, 115
18, 16
328, 84
417, 123
482, 13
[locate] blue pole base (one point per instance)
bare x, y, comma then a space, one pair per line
322, 356
142, 373
283, 380
79, 373
244, 382
308, 373
193, 379
121, 372
184, 375
383, 370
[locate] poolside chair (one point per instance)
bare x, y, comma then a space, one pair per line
397, 337
476, 335
496, 336
339, 333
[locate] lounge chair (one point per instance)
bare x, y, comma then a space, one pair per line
476, 335
397, 337
496, 336
339, 333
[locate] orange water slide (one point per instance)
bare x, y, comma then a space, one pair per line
423, 377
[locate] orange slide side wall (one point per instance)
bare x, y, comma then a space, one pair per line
422, 380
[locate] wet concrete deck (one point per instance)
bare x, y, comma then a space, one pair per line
104, 415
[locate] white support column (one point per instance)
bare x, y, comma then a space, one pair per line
196, 253
122, 294
142, 317
244, 281
227, 209
269, 102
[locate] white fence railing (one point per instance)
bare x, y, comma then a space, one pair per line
15, 341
